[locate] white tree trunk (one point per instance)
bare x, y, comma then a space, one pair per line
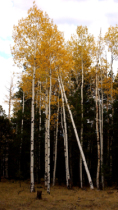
46, 139
48, 176
97, 132
32, 125
77, 137
100, 126
32, 137
10, 97
66, 141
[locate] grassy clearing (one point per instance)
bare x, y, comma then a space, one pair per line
14, 197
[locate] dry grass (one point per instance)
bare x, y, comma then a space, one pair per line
14, 197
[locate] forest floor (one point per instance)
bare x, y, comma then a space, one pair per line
16, 197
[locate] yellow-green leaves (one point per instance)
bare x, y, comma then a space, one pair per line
111, 39
38, 42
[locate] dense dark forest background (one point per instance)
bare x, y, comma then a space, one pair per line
15, 164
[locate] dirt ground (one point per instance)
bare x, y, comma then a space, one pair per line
14, 197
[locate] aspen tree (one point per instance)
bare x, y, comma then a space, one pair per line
36, 156
100, 128
38, 44
32, 126
9, 102
107, 93
84, 42
48, 137
53, 42
100, 96
27, 38
111, 39
10, 97
97, 130
46, 140
65, 140
62, 125
76, 134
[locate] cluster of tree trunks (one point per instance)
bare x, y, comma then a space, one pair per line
70, 97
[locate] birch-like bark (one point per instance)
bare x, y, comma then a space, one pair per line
100, 121
76, 134
55, 152
65, 148
62, 125
36, 154
32, 137
97, 131
66, 141
48, 176
101, 115
10, 98
32, 127
46, 139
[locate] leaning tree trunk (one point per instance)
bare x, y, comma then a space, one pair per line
76, 134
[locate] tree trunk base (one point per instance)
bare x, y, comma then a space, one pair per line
39, 194
69, 184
